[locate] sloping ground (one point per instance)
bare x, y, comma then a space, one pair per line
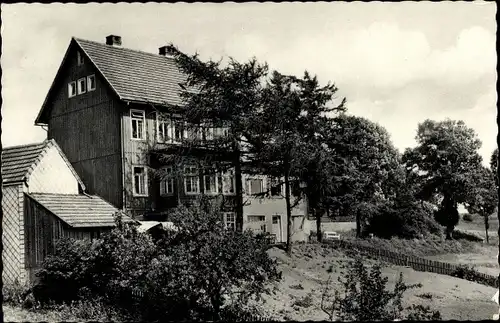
298, 295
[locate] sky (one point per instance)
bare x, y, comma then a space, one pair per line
396, 63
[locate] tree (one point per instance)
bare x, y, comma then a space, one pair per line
494, 164
217, 96
482, 195
442, 162
365, 166
285, 127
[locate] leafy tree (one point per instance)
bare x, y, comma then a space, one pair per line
482, 195
494, 164
365, 163
442, 163
286, 135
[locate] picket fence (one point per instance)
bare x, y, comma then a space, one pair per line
415, 262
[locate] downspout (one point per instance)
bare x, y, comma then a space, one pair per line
122, 151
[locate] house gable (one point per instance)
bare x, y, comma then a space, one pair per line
52, 174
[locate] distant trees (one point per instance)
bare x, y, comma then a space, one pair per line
482, 194
442, 163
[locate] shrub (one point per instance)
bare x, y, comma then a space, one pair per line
364, 297
404, 218
198, 272
467, 217
15, 293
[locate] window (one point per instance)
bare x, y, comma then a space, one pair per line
82, 85
90, 83
140, 180
80, 59
210, 182
228, 182
191, 180
221, 132
167, 183
137, 119
163, 128
276, 187
255, 186
208, 133
71, 89
230, 221
178, 130
256, 218
276, 219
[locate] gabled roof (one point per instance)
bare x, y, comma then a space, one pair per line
79, 210
133, 75
136, 75
18, 162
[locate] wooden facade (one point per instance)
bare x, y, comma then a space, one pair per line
42, 230
87, 128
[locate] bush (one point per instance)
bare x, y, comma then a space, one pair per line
14, 294
194, 273
467, 217
403, 218
364, 297
471, 274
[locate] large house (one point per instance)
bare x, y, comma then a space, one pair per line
108, 106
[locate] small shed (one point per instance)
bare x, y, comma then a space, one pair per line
44, 200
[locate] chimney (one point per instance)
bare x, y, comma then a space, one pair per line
114, 40
166, 51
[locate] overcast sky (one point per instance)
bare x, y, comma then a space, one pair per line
397, 63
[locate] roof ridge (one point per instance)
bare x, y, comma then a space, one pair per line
124, 48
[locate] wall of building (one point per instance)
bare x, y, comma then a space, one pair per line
87, 128
13, 234
52, 175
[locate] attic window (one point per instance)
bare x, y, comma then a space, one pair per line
82, 85
71, 89
90, 83
80, 60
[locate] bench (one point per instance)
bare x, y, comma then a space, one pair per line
331, 235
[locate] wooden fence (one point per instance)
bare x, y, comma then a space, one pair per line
415, 262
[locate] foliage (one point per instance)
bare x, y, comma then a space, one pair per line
364, 297
15, 293
408, 219
193, 273
442, 164
365, 166
467, 217
494, 164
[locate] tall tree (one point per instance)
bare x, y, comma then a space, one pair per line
494, 164
218, 97
482, 195
365, 164
445, 157
285, 127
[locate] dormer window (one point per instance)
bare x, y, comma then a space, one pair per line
79, 58
82, 85
71, 89
90, 83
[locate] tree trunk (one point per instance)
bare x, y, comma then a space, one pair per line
239, 192
486, 227
358, 224
288, 210
319, 236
